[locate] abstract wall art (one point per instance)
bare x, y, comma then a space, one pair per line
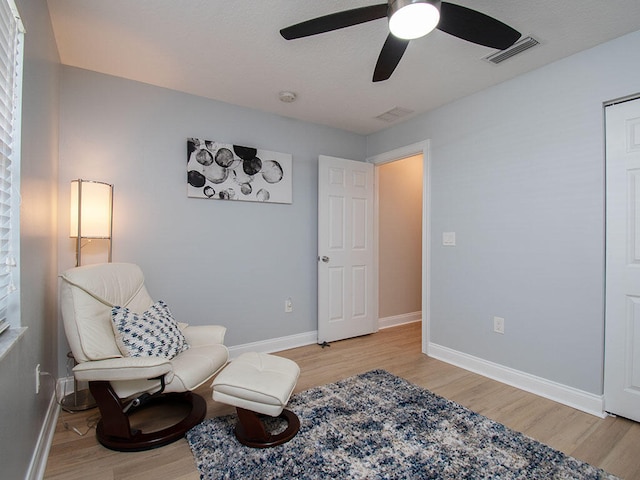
233, 172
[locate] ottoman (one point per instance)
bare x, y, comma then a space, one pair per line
259, 384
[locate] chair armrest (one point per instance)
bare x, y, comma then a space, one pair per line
124, 368
198, 335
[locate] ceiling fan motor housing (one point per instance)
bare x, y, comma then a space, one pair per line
410, 19
395, 5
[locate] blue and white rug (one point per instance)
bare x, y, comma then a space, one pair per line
379, 426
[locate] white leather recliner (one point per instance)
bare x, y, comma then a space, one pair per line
123, 381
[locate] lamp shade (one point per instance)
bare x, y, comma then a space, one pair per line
409, 19
91, 205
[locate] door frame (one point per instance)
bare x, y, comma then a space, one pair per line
419, 148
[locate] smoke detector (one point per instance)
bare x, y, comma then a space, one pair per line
287, 97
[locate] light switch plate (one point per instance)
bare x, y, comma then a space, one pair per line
449, 239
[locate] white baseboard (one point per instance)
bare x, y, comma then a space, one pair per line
573, 397
65, 386
310, 338
38, 462
396, 320
275, 344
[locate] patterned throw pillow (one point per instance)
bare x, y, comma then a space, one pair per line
154, 333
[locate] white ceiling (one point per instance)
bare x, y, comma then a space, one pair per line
232, 51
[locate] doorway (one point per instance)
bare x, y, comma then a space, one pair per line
385, 280
399, 200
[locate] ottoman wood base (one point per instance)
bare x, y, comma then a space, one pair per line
250, 430
259, 385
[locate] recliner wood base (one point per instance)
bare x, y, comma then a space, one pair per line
114, 430
250, 430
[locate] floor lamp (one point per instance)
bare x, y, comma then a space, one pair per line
91, 218
91, 213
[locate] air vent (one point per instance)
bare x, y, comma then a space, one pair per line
394, 114
520, 46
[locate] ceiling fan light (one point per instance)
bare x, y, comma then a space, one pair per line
413, 19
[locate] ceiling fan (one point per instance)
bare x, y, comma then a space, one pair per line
409, 19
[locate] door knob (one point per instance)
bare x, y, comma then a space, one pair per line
325, 259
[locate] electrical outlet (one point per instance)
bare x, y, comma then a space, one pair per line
498, 325
288, 305
37, 379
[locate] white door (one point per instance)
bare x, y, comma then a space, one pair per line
347, 306
622, 316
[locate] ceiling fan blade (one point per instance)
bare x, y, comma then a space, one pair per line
390, 56
476, 27
335, 21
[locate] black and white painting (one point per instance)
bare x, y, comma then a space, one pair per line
234, 172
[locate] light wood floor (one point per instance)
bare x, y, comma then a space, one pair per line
611, 443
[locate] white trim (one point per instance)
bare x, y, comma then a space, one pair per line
276, 344
65, 386
419, 148
426, 244
376, 240
572, 397
16, 14
400, 153
9, 338
395, 320
45, 439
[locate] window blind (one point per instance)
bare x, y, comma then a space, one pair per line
11, 36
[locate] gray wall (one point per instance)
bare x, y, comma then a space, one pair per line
233, 263
21, 410
518, 173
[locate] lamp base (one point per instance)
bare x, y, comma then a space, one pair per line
78, 401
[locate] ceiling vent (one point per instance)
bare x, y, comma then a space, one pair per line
520, 46
394, 114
